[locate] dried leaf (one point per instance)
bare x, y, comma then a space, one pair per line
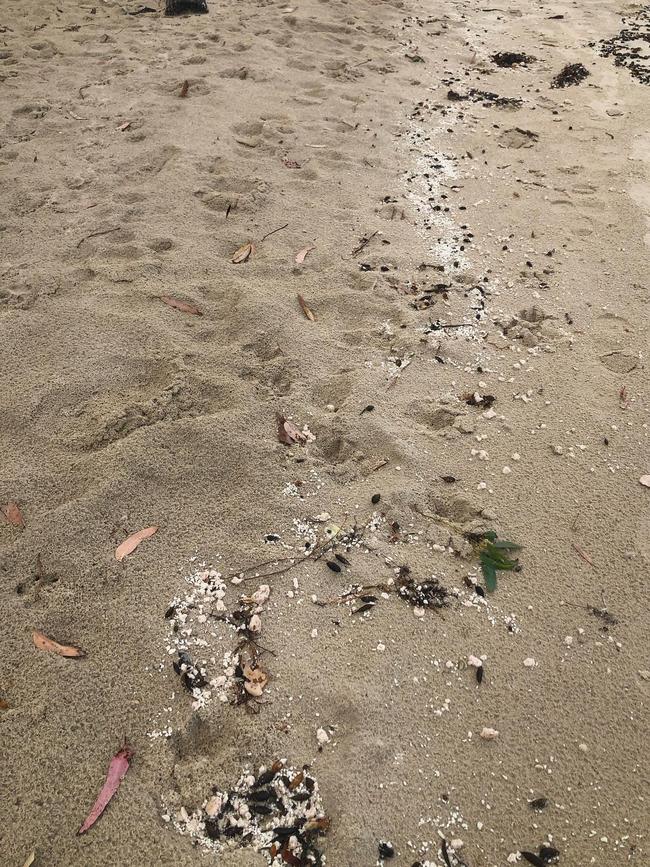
582, 554
4, 705
30, 859
116, 772
302, 255
12, 514
288, 433
124, 126
42, 642
305, 309
130, 544
297, 780
184, 88
321, 824
645, 481
183, 306
242, 254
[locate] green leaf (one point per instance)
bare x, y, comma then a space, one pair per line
498, 560
507, 546
490, 575
490, 534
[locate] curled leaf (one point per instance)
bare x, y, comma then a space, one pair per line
184, 88
183, 306
42, 642
242, 254
12, 514
132, 542
30, 859
288, 433
302, 254
117, 769
306, 309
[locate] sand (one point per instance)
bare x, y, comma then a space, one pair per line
525, 224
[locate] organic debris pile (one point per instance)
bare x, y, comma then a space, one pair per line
278, 812
629, 47
195, 620
507, 59
572, 73
421, 594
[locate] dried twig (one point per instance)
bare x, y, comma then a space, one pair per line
268, 234
364, 243
95, 234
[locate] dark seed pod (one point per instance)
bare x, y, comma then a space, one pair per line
548, 854
212, 828
538, 803
533, 859
449, 479
260, 809
479, 674
368, 598
365, 607
333, 565
375, 499
261, 795
368, 408
386, 850
479, 590
232, 831
264, 778
445, 853
170, 612
342, 559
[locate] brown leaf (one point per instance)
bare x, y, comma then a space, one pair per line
116, 772
30, 859
297, 780
124, 126
302, 254
309, 313
288, 433
184, 88
12, 514
321, 824
242, 254
42, 642
130, 544
183, 306
4, 705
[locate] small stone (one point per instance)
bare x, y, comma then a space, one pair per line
419, 612
457, 844
558, 450
489, 413
386, 849
529, 662
489, 734
474, 661
322, 738
568, 640
506, 471
381, 647
255, 624
213, 807
583, 748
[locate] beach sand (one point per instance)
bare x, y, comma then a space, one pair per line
138, 153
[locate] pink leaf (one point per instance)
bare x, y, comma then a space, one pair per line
302, 254
130, 544
116, 772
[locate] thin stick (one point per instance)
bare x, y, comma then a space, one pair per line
583, 554
95, 234
268, 234
364, 243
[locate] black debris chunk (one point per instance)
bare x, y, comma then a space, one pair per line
573, 73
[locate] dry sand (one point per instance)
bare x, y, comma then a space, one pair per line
119, 412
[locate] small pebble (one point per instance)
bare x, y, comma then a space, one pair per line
529, 662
